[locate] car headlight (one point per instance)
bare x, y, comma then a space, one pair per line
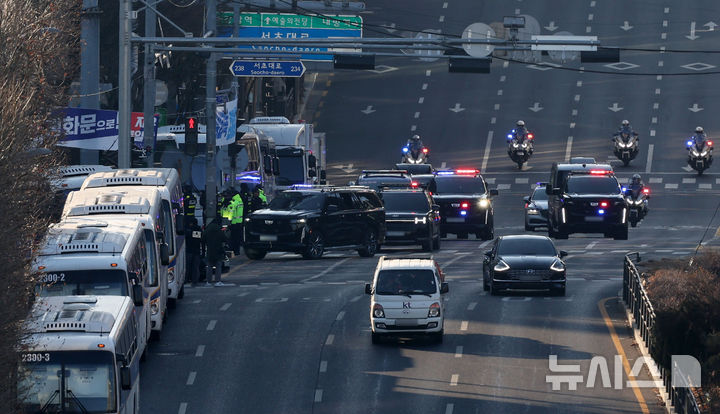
515, 145
434, 310
154, 307
378, 311
297, 221
533, 211
420, 220
247, 220
501, 267
483, 203
695, 153
704, 153
524, 145
557, 266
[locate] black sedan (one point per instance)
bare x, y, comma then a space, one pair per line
524, 262
536, 208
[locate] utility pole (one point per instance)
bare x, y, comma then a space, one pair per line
124, 84
149, 85
210, 103
90, 66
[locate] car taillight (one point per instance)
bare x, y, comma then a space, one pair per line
414, 184
465, 204
603, 204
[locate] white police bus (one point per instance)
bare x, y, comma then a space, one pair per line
140, 204
81, 356
85, 256
167, 181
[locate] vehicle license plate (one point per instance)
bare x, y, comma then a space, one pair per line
593, 218
455, 220
268, 237
406, 322
519, 152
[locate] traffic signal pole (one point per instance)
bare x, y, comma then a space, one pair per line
210, 104
149, 85
124, 85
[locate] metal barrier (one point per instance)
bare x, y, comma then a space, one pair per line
638, 303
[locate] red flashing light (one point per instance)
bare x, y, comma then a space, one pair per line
414, 184
464, 204
603, 204
599, 172
646, 190
710, 144
425, 150
531, 136
467, 171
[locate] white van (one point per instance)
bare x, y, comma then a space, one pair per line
85, 256
167, 181
407, 298
81, 355
140, 204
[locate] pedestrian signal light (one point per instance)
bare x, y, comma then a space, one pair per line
191, 136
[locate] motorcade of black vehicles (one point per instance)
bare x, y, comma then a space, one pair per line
524, 262
586, 198
700, 155
625, 146
520, 146
582, 160
376, 179
309, 220
465, 203
411, 218
422, 174
637, 200
536, 208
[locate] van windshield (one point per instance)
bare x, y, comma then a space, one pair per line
586, 184
98, 282
406, 282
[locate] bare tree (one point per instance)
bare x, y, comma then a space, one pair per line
40, 50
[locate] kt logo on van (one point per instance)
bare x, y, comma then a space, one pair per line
406, 305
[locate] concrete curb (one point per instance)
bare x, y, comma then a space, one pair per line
646, 353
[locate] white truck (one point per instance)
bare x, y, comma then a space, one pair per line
300, 150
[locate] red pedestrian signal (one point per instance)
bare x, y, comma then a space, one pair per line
191, 123
191, 136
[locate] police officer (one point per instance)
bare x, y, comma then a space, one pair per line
258, 199
236, 208
190, 203
193, 250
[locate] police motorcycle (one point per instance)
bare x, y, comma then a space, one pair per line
699, 153
414, 152
520, 146
626, 145
637, 201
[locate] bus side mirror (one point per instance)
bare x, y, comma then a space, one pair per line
138, 295
125, 380
312, 161
276, 166
164, 254
267, 164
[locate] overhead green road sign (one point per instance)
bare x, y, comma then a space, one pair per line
292, 21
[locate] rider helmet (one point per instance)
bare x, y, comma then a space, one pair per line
415, 138
636, 179
699, 129
625, 123
520, 123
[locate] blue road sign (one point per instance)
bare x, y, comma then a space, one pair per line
267, 68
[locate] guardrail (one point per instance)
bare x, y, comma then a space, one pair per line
638, 303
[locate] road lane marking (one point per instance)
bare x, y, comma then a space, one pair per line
661, 63
654, 121
621, 352
183, 408
656, 105
502, 78
424, 86
521, 180
591, 17
577, 98
591, 245
200, 350
340, 316
225, 307
330, 339
667, 10
243, 294
413, 128
705, 186
323, 366
689, 180
196, 301
211, 325
445, 5
356, 298
458, 351
572, 125
497, 106
443, 165
499, 92
421, 99
449, 408
442, 19
454, 259
568, 148
657, 91
318, 395
471, 306
671, 186
326, 271
428, 72
578, 84
588, 29
493, 120
485, 243
191, 378
464, 326
417, 115
486, 156
651, 148
454, 380
656, 180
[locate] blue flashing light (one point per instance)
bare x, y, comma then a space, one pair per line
513, 131
249, 177
624, 189
601, 211
446, 173
405, 149
302, 186
509, 136
463, 213
689, 143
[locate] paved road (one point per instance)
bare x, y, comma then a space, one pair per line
293, 336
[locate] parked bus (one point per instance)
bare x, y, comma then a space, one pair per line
81, 356
84, 256
167, 181
131, 204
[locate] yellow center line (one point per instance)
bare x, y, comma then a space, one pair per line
621, 352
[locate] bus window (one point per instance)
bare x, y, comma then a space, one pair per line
152, 273
167, 227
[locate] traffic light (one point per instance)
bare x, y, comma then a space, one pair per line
191, 136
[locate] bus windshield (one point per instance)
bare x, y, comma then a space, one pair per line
292, 170
67, 382
99, 282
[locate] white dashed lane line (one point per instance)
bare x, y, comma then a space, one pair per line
424, 86
330, 339
458, 351
464, 326
318, 395
191, 378
323, 366
340, 316
428, 72
449, 408
454, 380
421, 100
225, 307
200, 350
471, 306
211, 325
183, 408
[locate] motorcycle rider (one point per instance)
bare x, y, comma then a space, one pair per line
698, 140
520, 135
625, 131
636, 190
414, 144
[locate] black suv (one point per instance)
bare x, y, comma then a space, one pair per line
585, 198
376, 179
411, 217
465, 205
309, 221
